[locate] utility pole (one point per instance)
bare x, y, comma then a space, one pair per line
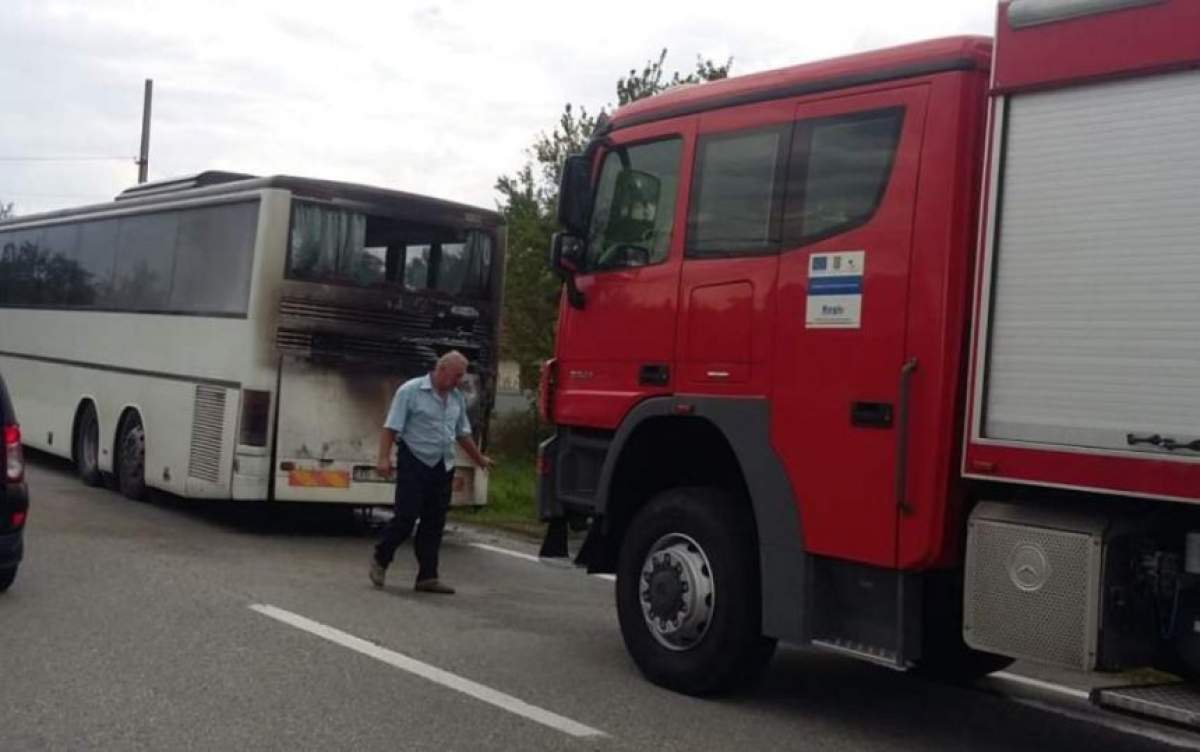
143, 162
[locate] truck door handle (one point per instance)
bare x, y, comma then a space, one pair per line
871, 414
906, 374
654, 374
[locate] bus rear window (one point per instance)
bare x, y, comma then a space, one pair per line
338, 246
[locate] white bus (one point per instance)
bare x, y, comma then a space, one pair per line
226, 336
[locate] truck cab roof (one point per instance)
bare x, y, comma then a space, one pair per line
922, 58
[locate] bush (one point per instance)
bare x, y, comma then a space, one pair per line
512, 442
517, 435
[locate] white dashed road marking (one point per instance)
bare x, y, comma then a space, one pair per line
432, 673
506, 552
526, 557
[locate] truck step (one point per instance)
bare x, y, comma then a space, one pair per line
872, 653
1177, 702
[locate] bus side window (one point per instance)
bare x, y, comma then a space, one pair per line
416, 267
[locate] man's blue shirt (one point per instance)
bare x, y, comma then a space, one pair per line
427, 423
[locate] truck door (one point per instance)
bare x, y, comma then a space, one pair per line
619, 346
732, 248
840, 350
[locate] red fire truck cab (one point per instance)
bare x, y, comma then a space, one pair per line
894, 354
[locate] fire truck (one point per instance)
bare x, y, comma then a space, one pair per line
894, 354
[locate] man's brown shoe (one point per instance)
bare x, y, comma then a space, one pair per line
377, 572
433, 586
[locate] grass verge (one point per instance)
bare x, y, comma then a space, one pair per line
510, 504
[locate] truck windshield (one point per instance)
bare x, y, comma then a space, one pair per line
337, 246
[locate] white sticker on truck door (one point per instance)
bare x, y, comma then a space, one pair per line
835, 286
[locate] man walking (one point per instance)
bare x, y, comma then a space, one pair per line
428, 415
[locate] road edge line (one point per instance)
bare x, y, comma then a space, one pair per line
431, 673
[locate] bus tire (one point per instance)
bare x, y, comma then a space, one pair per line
86, 449
688, 593
131, 458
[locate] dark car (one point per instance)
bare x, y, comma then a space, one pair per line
14, 494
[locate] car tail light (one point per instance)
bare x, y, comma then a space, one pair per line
14, 463
256, 417
17, 519
547, 381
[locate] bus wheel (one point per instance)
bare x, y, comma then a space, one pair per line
131, 459
688, 596
87, 446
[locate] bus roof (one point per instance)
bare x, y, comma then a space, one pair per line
216, 183
962, 53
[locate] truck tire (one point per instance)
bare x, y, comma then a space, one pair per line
131, 459
688, 593
87, 446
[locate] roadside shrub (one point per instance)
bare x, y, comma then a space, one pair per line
517, 434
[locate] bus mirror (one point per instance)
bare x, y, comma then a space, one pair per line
575, 195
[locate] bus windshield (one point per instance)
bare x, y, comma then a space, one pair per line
337, 246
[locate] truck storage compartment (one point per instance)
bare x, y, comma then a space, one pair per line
1063, 585
1096, 286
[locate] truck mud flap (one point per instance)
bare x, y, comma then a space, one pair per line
554, 545
1175, 702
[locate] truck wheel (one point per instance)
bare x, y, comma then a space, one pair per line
6, 578
688, 596
87, 447
131, 460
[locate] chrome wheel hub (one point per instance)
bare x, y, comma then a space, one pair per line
676, 591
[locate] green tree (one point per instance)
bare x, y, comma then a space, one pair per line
649, 81
528, 199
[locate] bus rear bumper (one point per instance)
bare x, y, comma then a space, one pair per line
358, 484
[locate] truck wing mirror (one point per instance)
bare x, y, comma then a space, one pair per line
566, 260
575, 195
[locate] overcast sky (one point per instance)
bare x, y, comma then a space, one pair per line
437, 98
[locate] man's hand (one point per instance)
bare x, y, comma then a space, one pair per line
478, 457
384, 467
387, 445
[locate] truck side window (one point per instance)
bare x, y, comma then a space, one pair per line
737, 192
840, 169
635, 206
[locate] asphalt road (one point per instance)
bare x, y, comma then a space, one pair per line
172, 626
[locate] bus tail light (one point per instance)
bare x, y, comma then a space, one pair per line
14, 465
256, 417
547, 382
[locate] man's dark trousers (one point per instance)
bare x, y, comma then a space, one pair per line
422, 492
